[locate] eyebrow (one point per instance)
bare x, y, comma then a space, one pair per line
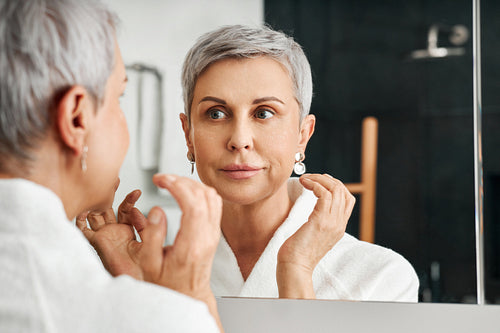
213, 99
267, 99
256, 101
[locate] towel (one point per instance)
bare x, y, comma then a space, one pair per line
351, 270
150, 119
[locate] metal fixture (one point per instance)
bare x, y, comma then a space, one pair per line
457, 35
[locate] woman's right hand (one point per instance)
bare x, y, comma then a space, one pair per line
184, 266
187, 264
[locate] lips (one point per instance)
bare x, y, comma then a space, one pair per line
240, 171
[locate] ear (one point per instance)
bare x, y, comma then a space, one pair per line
306, 131
72, 118
186, 127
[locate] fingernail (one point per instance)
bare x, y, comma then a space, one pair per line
170, 178
165, 180
307, 180
154, 217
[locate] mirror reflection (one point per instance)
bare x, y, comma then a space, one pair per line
406, 64
368, 60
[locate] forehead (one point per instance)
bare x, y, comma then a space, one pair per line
258, 75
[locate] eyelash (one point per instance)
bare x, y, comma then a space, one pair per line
211, 111
264, 110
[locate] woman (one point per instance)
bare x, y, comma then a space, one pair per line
247, 94
63, 138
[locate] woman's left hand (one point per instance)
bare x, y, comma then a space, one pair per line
299, 255
114, 238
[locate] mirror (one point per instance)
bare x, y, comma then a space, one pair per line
407, 63
382, 59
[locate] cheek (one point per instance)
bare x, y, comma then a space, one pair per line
114, 139
207, 144
124, 134
280, 144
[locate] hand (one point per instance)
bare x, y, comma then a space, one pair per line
186, 265
115, 241
299, 254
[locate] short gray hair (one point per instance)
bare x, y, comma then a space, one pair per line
47, 46
237, 41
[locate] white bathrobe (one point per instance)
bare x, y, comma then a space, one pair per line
351, 270
52, 281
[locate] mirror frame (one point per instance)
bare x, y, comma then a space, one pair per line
478, 155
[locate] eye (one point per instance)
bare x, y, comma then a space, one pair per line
264, 114
216, 114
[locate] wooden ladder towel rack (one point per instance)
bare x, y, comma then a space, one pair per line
368, 185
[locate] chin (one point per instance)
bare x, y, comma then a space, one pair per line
105, 203
241, 196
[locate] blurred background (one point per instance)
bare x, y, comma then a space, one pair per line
369, 58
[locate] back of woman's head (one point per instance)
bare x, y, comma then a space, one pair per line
47, 46
237, 41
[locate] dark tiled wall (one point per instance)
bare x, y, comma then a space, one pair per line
359, 55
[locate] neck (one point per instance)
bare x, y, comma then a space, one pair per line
48, 168
249, 228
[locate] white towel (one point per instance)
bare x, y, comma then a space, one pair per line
150, 120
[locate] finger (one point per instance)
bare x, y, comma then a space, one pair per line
350, 202
338, 204
326, 180
332, 184
128, 204
215, 207
156, 215
324, 202
129, 214
96, 220
214, 203
153, 238
191, 239
81, 223
109, 216
189, 194
335, 208
129, 201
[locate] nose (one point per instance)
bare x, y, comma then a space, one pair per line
241, 137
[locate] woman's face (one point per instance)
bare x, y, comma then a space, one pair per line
108, 139
245, 130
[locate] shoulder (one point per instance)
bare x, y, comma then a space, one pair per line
378, 273
352, 248
155, 308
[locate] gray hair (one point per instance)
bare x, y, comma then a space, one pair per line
47, 46
237, 41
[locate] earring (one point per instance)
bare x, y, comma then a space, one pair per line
191, 160
299, 168
83, 160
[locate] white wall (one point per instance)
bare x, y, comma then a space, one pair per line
159, 33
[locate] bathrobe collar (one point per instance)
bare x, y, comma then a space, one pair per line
226, 275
